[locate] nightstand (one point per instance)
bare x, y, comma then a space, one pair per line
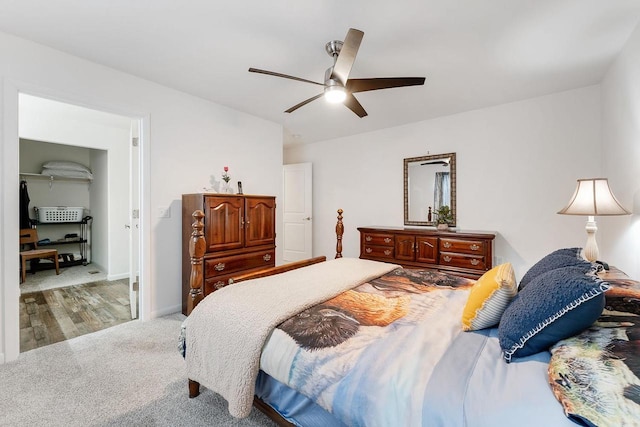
624, 294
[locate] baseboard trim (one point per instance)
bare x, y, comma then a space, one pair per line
166, 311
111, 277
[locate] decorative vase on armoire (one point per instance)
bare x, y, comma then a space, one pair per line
226, 188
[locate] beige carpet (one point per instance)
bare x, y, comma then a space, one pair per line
127, 375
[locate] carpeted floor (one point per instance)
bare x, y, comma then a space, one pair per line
128, 375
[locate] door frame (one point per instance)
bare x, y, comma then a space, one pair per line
9, 201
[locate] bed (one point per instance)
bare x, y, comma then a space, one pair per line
351, 342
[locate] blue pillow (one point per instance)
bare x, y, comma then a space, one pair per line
566, 257
555, 305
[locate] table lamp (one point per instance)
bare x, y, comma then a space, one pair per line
593, 197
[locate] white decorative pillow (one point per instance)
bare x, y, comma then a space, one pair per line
67, 173
66, 165
489, 298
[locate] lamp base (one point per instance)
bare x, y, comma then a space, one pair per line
590, 251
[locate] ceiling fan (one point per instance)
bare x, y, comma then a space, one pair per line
338, 87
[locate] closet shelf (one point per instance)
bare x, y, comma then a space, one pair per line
51, 179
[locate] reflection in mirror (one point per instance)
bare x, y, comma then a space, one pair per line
429, 182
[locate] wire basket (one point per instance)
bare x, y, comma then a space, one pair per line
59, 214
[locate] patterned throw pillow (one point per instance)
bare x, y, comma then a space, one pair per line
555, 305
489, 297
566, 257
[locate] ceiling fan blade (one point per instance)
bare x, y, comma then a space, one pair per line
303, 103
284, 76
363, 85
352, 103
347, 55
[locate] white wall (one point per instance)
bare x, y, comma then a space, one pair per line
187, 140
517, 165
621, 156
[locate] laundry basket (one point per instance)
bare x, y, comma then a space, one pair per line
59, 214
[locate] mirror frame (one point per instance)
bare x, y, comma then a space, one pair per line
452, 171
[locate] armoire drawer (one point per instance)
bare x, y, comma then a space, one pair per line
214, 267
462, 260
462, 246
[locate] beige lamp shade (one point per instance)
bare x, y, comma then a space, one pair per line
593, 197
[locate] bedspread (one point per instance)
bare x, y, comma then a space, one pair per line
227, 330
596, 374
391, 352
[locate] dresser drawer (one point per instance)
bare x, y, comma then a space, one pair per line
462, 246
212, 284
223, 266
474, 262
371, 239
378, 251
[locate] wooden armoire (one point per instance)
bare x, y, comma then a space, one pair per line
240, 232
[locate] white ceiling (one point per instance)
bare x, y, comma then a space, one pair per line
474, 53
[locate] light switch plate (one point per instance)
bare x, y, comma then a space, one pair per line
164, 212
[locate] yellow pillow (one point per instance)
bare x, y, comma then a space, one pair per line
489, 298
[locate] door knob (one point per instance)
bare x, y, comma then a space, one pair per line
307, 218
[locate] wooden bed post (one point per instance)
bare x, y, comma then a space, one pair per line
339, 233
197, 248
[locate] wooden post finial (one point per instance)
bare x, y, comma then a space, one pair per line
339, 233
197, 248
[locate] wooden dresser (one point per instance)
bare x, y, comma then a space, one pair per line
462, 253
240, 234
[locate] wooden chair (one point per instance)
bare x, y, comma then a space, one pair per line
29, 236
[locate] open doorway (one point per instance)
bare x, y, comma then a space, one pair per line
97, 287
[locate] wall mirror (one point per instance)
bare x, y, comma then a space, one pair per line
429, 182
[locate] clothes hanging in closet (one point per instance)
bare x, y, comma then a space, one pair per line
25, 221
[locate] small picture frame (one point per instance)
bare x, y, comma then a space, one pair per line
239, 187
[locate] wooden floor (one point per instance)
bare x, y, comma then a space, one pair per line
54, 315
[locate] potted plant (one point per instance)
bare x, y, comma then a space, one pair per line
444, 217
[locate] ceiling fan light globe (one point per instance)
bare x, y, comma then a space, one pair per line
335, 94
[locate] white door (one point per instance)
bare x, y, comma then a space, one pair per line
298, 224
134, 222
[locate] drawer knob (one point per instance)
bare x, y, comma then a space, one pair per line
447, 258
266, 257
368, 238
219, 266
474, 247
475, 262
219, 284
446, 244
387, 252
387, 240
368, 250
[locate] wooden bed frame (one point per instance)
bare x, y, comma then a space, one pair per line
197, 249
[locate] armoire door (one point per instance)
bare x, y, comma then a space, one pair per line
260, 221
223, 222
